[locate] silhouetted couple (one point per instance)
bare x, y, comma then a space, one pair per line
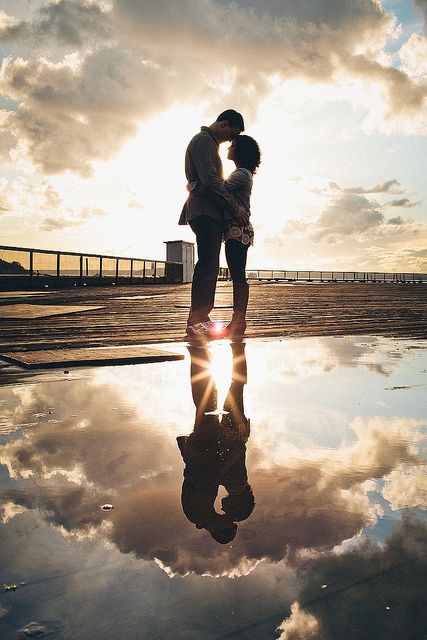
215, 452
219, 210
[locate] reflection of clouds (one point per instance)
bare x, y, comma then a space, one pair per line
377, 589
300, 624
406, 487
9, 510
72, 508
112, 450
309, 502
320, 497
315, 356
143, 389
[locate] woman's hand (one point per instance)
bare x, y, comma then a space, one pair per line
242, 215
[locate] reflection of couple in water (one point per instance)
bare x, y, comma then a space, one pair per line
215, 452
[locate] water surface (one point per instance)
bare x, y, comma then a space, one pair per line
294, 506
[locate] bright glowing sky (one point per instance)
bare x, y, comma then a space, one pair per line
99, 99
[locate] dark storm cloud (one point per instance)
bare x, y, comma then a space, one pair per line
137, 58
370, 591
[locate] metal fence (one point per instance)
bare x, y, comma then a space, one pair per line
33, 268
40, 267
330, 276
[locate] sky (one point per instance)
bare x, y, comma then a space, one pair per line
99, 99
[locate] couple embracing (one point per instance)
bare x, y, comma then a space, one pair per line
218, 210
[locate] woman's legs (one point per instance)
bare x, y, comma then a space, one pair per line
236, 254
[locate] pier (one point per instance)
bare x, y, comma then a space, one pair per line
127, 315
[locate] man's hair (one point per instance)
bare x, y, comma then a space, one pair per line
247, 153
234, 118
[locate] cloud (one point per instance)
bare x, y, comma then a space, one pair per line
347, 215
70, 115
350, 214
406, 488
128, 60
7, 140
418, 253
300, 625
403, 202
398, 220
67, 22
413, 55
389, 186
423, 6
24, 197
403, 95
56, 223
394, 572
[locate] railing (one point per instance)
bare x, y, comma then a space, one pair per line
329, 276
40, 267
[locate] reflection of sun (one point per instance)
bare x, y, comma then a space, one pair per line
221, 367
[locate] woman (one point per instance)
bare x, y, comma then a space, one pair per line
245, 153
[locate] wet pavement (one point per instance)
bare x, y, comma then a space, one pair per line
292, 505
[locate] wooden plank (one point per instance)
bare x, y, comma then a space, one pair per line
31, 311
275, 310
23, 294
52, 359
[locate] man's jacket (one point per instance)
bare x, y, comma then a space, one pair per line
205, 179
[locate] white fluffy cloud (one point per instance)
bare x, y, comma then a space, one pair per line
406, 488
413, 55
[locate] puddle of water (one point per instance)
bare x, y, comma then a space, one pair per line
294, 498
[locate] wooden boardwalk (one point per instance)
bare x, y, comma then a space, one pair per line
133, 315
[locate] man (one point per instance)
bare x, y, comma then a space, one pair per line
206, 209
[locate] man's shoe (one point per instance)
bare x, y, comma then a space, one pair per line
201, 329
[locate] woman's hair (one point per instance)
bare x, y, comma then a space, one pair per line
247, 153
